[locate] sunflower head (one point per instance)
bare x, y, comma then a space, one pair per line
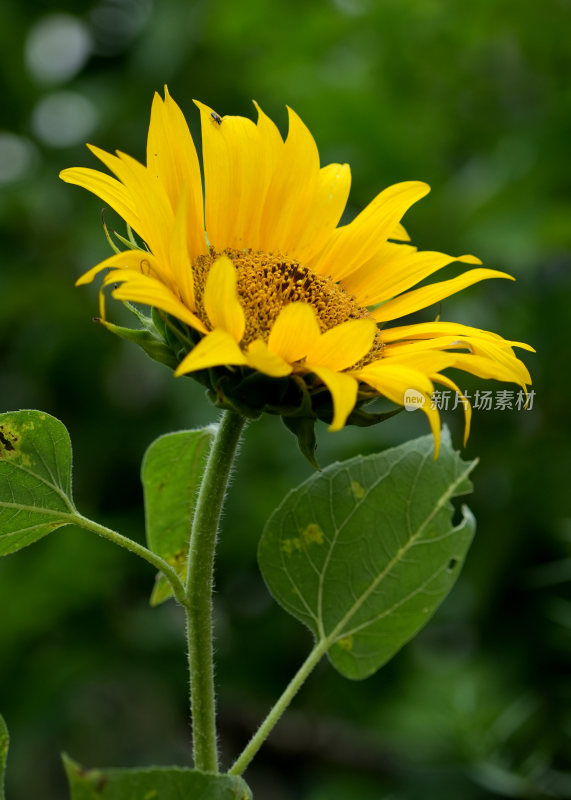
258, 292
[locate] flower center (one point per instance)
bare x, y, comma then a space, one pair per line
269, 281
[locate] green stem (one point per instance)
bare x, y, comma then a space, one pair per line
199, 589
138, 549
273, 717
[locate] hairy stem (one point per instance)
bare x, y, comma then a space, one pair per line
273, 717
199, 589
136, 548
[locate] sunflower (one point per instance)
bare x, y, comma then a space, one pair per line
258, 280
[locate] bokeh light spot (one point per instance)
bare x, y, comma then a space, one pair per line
115, 23
62, 119
17, 157
57, 47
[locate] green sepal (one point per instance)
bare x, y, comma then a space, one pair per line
150, 342
4, 744
296, 401
300, 399
157, 319
154, 783
364, 419
176, 335
129, 244
227, 397
162, 337
249, 392
293, 398
304, 429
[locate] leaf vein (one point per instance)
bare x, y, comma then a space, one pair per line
437, 506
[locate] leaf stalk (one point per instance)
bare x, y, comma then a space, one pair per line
278, 709
134, 547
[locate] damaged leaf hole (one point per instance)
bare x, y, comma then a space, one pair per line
7, 440
452, 564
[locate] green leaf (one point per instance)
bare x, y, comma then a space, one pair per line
171, 473
364, 552
35, 478
155, 783
4, 744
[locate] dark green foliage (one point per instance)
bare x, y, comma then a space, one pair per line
161, 783
472, 98
4, 743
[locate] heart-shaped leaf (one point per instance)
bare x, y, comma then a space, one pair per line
365, 551
35, 478
171, 473
155, 783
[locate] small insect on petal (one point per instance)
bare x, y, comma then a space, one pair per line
254, 260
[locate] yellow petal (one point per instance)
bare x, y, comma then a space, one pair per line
179, 253
233, 178
110, 190
270, 153
343, 389
502, 355
136, 260
217, 349
111, 161
271, 142
351, 245
325, 212
429, 330
292, 189
359, 281
445, 381
489, 368
393, 380
294, 332
172, 159
221, 300
153, 206
432, 330
145, 289
401, 349
495, 350
400, 233
398, 273
344, 345
262, 359
426, 296
426, 361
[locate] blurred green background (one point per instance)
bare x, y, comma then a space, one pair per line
473, 98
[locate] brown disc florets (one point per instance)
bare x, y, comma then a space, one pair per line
269, 281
